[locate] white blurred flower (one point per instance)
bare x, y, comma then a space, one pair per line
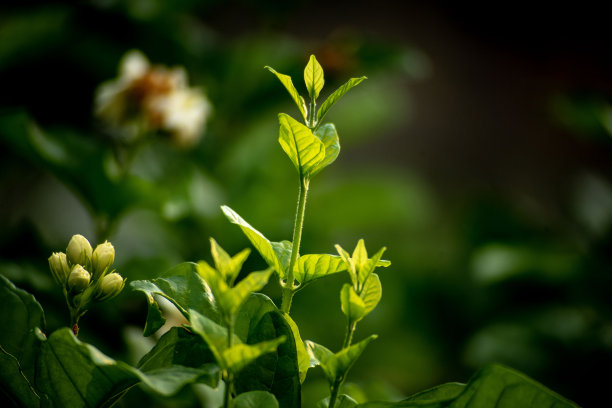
152, 98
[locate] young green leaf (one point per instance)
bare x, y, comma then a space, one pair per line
177, 347
371, 293
352, 305
181, 285
240, 355
252, 282
75, 374
255, 399
268, 250
304, 149
314, 266
343, 401
322, 356
228, 266
288, 83
23, 318
313, 77
302, 354
334, 97
329, 136
369, 265
213, 334
255, 307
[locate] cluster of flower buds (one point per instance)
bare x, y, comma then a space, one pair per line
147, 98
83, 273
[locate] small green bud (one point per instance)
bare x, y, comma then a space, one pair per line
102, 258
79, 250
59, 267
79, 279
110, 286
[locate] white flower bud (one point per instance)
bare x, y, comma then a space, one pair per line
102, 258
79, 279
111, 285
79, 250
59, 267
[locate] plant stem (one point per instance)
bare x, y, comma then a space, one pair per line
229, 378
348, 338
311, 120
335, 388
288, 288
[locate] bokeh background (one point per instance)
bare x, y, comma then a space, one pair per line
478, 152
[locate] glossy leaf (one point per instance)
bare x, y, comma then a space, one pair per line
343, 401
302, 354
22, 319
359, 265
492, 386
352, 305
252, 282
240, 355
314, 266
267, 250
276, 372
250, 314
177, 347
304, 149
288, 83
369, 265
329, 136
337, 365
313, 77
371, 293
255, 399
181, 285
213, 334
336, 95
75, 374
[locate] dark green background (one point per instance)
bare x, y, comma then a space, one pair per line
478, 152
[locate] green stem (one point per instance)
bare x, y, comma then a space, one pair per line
348, 338
312, 114
288, 287
229, 378
335, 388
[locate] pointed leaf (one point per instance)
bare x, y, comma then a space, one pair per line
75, 374
276, 372
22, 317
181, 285
240, 355
350, 265
251, 283
360, 255
369, 265
329, 136
353, 306
346, 357
304, 149
255, 399
371, 293
321, 355
177, 347
288, 83
314, 266
265, 248
334, 97
228, 266
302, 354
313, 77
213, 334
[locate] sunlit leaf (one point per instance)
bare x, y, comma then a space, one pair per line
213, 334
304, 149
352, 305
322, 356
255, 399
371, 293
240, 355
329, 136
369, 265
266, 249
343, 401
314, 266
181, 285
252, 282
336, 95
313, 77
302, 354
177, 347
288, 83
227, 265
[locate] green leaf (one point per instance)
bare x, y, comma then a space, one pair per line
240, 355
267, 250
337, 365
334, 97
276, 372
304, 149
369, 265
181, 285
228, 266
288, 83
302, 354
492, 386
252, 282
255, 399
352, 305
343, 401
250, 314
313, 77
76, 374
177, 347
314, 266
213, 334
21, 317
371, 293
329, 136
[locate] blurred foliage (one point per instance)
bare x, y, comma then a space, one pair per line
476, 278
